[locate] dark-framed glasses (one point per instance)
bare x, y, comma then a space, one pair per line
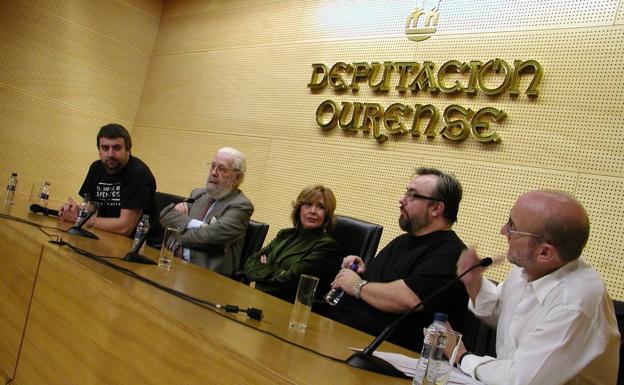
411, 195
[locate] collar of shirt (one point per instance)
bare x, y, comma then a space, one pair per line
547, 283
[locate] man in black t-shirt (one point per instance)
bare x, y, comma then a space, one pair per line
410, 267
122, 185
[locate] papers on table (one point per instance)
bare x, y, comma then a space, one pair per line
408, 366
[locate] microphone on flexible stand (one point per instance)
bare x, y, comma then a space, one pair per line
155, 241
367, 361
37, 208
134, 256
78, 230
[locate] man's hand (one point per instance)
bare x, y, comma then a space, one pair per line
450, 345
346, 280
69, 211
182, 207
472, 280
351, 259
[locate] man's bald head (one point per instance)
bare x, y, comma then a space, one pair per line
560, 219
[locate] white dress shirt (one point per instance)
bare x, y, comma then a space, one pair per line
194, 224
560, 329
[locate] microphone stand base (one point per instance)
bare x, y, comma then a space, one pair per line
138, 258
82, 232
374, 364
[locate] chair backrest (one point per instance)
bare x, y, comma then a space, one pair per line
357, 237
156, 232
254, 238
619, 314
165, 199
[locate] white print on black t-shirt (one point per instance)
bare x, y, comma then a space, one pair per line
109, 194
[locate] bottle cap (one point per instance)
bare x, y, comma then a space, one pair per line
13, 174
440, 317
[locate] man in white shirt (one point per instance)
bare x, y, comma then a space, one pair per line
554, 318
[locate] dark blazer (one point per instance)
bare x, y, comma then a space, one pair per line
218, 245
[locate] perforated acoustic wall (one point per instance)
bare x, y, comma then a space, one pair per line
235, 73
67, 67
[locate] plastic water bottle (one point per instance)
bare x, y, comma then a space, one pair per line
83, 209
334, 295
432, 351
141, 229
11, 186
44, 195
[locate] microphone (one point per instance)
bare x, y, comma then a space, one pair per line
78, 230
37, 208
134, 256
170, 206
365, 359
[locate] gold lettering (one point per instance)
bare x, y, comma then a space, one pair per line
481, 128
335, 79
361, 71
451, 66
392, 118
405, 69
458, 129
384, 84
475, 66
318, 70
322, 109
496, 65
355, 116
422, 111
521, 67
425, 80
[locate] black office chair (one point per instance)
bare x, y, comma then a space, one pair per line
254, 238
165, 199
357, 237
619, 314
156, 233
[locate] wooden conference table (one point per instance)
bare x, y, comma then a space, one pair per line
67, 319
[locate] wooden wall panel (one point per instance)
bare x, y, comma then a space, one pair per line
67, 68
224, 25
133, 23
179, 167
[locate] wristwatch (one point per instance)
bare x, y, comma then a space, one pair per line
358, 288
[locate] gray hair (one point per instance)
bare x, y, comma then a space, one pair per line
240, 164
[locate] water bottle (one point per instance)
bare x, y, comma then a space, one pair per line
432, 351
334, 295
11, 186
141, 229
44, 195
83, 209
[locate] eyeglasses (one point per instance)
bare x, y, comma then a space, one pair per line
507, 231
411, 195
220, 169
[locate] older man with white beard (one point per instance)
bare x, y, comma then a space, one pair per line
212, 228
